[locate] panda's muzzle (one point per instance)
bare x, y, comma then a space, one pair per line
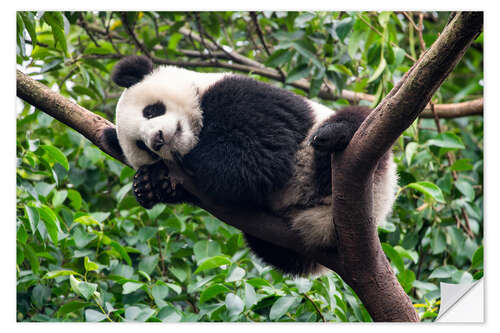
158, 141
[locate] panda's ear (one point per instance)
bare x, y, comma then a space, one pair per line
131, 70
110, 141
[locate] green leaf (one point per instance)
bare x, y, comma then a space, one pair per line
56, 22
250, 295
55, 155
59, 197
304, 49
82, 288
82, 238
72, 306
180, 270
87, 220
157, 209
355, 42
212, 262
121, 250
75, 198
212, 292
342, 69
438, 241
410, 150
344, 27
383, 18
443, 272
206, 248
429, 189
33, 217
159, 292
61, 272
123, 192
22, 235
466, 189
279, 58
94, 316
409, 254
446, 140
149, 263
130, 287
32, 257
280, 307
49, 219
394, 256
89, 265
406, 279
29, 24
378, 71
235, 274
462, 165
477, 258
298, 73
169, 314
302, 19
234, 304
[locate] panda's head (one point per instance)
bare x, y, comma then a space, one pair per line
158, 114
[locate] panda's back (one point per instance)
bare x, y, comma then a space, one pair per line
249, 141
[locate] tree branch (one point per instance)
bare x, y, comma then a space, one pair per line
366, 268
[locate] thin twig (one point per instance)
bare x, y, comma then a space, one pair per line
83, 24
253, 15
201, 31
315, 307
382, 35
420, 30
132, 34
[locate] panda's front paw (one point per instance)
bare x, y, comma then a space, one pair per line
333, 136
151, 185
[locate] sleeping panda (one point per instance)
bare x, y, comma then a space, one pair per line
245, 143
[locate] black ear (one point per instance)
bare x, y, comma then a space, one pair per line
131, 70
110, 141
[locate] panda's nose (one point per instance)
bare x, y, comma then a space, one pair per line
158, 141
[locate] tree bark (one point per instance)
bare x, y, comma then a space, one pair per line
358, 257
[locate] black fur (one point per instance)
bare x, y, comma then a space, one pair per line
154, 110
142, 146
283, 259
251, 131
110, 139
334, 135
131, 70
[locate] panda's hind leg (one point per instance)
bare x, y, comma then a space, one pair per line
337, 131
284, 260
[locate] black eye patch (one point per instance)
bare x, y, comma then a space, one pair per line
142, 146
154, 110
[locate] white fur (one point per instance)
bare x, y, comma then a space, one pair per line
178, 89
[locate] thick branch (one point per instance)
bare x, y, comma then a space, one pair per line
85, 122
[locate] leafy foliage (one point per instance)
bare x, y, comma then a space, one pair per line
87, 252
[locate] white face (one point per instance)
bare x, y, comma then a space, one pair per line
163, 112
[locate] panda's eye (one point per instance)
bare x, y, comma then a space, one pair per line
154, 110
